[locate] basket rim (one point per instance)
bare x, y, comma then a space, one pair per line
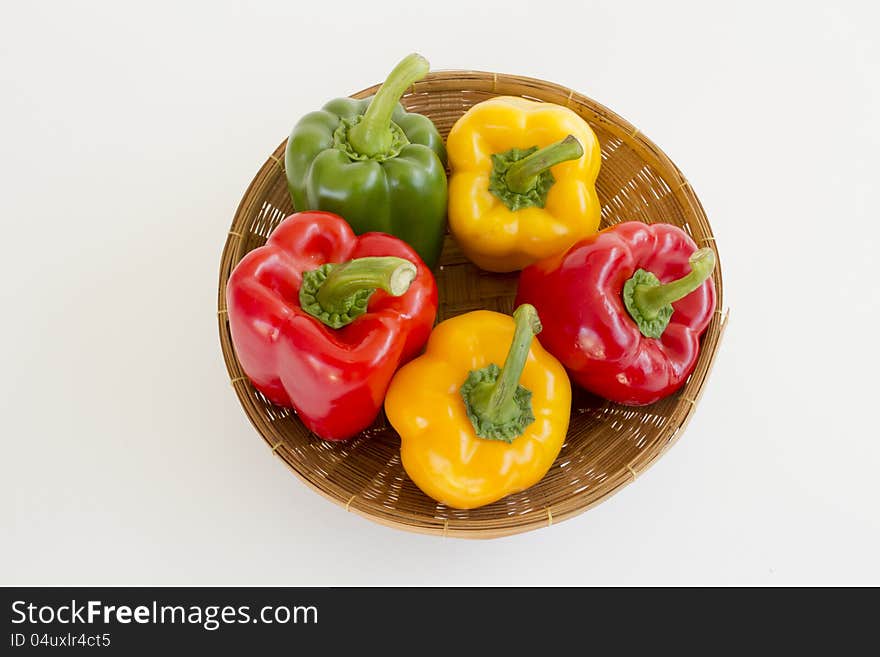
233, 251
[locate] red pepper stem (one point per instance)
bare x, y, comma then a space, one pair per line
391, 274
650, 299
523, 174
372, 135
337, 294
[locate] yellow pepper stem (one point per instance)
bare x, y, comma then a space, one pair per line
497, 406
523, 174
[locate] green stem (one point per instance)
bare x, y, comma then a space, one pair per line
372, 135
338, 293
523, 174
372, 273
649, 302
500, 405
651, 298
497, 406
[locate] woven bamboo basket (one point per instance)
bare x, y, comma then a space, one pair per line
608, 445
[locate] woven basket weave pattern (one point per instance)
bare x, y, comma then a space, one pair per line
608, 445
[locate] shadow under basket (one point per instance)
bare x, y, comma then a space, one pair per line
608, 445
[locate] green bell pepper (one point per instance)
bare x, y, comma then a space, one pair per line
379, 167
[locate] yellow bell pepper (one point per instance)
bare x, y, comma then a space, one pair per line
471, 432
523, 182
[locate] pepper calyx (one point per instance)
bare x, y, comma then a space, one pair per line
341, 141
337, 294
650, 327
521, 178
534, 197
492, 429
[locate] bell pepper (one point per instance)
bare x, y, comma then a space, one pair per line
523, 182
379, 167
624, 309
321, 319
471, 432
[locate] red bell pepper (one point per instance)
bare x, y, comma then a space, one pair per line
624, 309
321, 319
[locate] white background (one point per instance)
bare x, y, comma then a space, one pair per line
128, 134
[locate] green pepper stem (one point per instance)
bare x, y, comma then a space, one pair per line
522, 174
372, 135
651, 299
495, 403
388, 273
